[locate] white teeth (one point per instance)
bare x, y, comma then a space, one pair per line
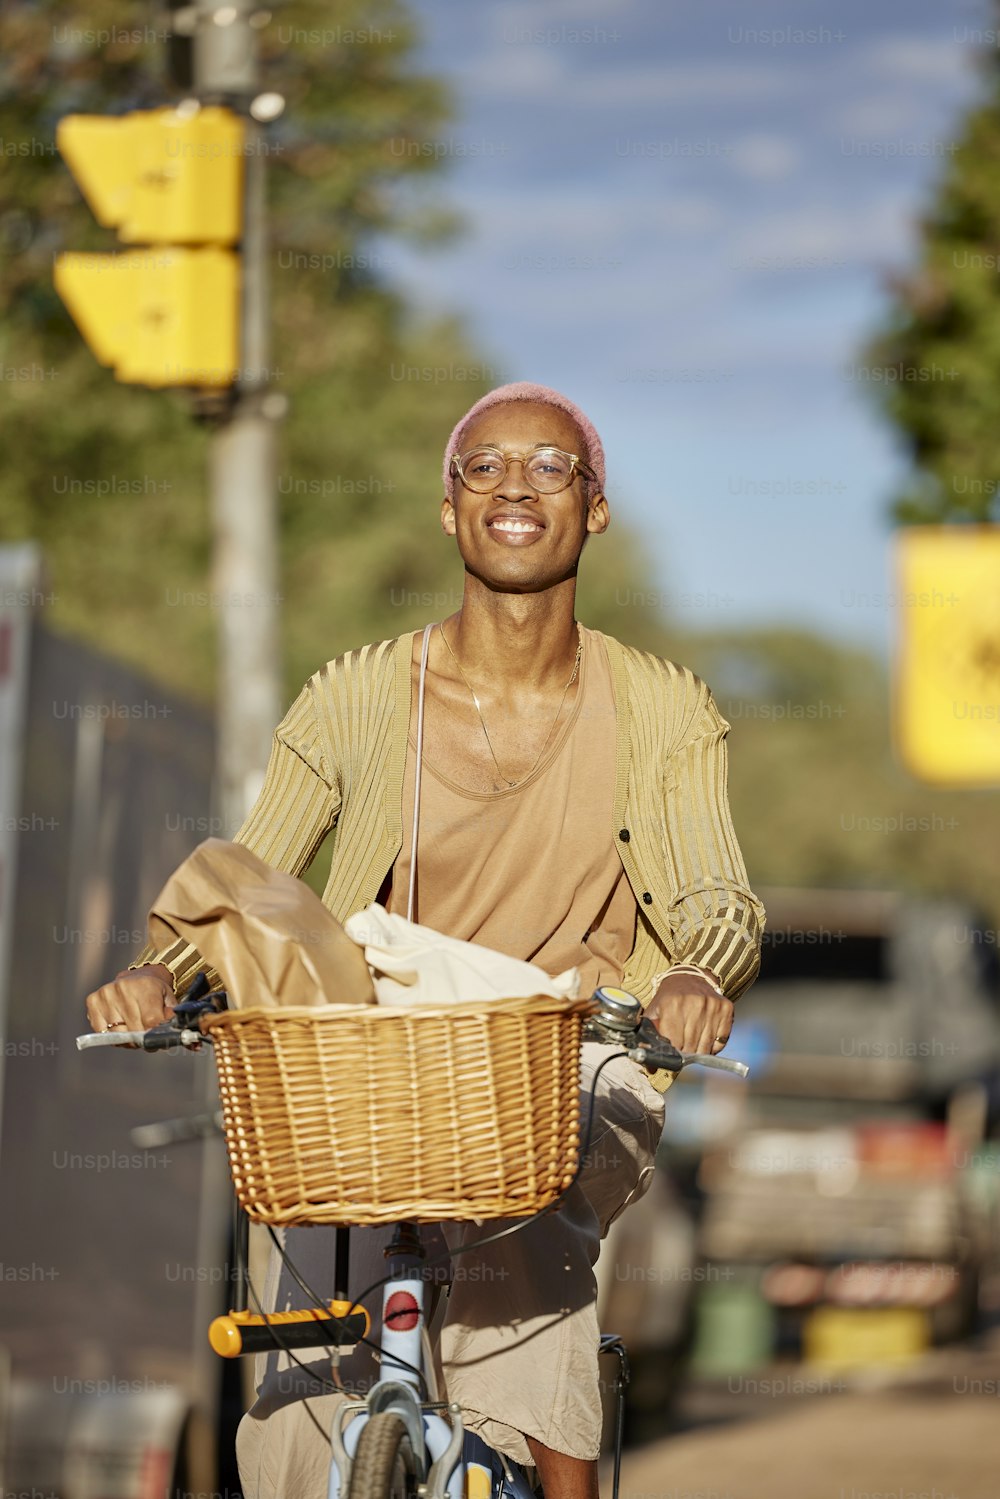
514, 525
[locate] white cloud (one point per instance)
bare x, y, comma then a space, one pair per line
914, 59
881, 116
631, 87
874, 230
516, 72
705, 83
537, 215
765, 157
528, 13
686, 213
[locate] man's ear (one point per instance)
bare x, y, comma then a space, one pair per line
598, 514
447, 517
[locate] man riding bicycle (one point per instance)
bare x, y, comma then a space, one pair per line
573, 813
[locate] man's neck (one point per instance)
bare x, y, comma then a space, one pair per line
518, 641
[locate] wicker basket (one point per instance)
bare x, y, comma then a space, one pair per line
372, 1113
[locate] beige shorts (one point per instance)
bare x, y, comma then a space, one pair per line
519, 1334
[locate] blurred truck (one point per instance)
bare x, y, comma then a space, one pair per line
841, 1204
848, 1198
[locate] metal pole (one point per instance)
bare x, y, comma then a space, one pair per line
20, 579
242, 459
244, 582
243, 482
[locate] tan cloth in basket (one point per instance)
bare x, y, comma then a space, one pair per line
267, 935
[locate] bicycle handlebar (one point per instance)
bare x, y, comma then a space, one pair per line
616, 1017
182, 1029
721, 1064
152, 1040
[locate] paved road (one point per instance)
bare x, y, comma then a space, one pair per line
933, 1433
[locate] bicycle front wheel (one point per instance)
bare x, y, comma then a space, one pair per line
384, 1465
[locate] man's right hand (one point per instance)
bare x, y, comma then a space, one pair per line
141, 997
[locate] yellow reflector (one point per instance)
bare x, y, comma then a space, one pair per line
478, 1483
947, 677
854, 1337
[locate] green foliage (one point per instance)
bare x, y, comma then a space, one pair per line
111, 478
934, 367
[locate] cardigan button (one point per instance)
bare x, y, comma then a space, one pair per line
624, 835
647, 897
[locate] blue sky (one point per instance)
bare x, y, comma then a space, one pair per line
683, 215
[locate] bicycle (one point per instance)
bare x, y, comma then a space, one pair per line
401, 1441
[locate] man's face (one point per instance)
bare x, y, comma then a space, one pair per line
537, 555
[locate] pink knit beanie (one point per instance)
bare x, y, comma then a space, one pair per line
524, 390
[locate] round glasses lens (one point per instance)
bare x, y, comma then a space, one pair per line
549, 470
483, 469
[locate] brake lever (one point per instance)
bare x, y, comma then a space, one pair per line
184, 1026
167, 1036
653, 1050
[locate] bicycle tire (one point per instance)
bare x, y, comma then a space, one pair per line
384, 1466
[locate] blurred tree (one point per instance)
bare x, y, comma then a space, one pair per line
110, 478
935, 366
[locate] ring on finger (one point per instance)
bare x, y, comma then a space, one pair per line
111, 1025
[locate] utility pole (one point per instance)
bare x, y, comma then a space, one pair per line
243, 444
242, 474
188, 182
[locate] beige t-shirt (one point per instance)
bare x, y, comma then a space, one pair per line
531, 871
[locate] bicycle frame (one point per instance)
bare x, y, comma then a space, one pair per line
453, 1463
446, 1454
435, 1444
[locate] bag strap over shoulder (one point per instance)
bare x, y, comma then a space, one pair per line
416, 778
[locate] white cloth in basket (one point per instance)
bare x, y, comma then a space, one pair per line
413, 964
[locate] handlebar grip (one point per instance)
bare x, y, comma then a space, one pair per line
109, 1038
341, 1324
165, 1037
721, 1064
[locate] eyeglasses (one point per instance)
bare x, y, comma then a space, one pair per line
546, 470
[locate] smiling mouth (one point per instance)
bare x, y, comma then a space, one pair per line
516, 527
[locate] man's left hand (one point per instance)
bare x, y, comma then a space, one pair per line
689, 1011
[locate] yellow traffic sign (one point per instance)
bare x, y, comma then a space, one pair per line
171, 181
158, 316
160, 176
946, 686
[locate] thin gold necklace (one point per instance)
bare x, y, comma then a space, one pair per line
475, 699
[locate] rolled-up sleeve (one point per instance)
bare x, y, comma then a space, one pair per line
716, 920
298, 805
